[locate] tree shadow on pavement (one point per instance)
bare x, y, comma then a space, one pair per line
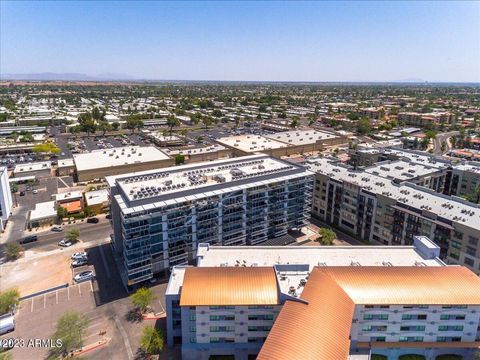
134, 316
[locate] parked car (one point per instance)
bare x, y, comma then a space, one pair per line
92, 220
28, 239
56, 228
79, 262
7, 323
79, 255
65, 243
84, 276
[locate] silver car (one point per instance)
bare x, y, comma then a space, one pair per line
84, 276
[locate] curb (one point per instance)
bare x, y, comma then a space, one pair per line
154, 316
90, 347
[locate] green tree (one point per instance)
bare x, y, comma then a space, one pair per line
364, 126
430, 134
142, 298
13, 250
294, 123
443, 147
62, 212
327, 236
179, 159
8, 299
172, 122
72, 235
71, 330
46, 148
88, 211
13, 187
104, 127
152, 340
217, 113
116, 125
207, 121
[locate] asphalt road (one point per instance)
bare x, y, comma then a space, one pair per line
88, 232
439, 139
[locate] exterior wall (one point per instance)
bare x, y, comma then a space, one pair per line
86, 175
220, 330
6, 202
378, 219
155, 240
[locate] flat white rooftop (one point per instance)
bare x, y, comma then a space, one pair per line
251, 143
106, 158
43, 210
68, 196
37, 166
431, 203
195, 150
96, 197
65, 163
301, 137
401, 170
311, 256
179, 180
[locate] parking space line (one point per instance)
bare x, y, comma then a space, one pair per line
79, 289
56, 296
68, 293
91, 286
31, 307
163, 309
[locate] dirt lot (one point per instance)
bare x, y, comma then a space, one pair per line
33, 274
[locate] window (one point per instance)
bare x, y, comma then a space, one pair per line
375, 317
412, 328
468, 261
472, 240
193, 328
377, 339
222, 328
450, 328
193, 340
410, 338
414, 317
193, 317
452, 317
222, 317
261, 317
222, 307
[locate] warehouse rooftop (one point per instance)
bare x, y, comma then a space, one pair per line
98, 159
301, 137
251, 143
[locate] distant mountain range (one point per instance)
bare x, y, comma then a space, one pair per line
66, 77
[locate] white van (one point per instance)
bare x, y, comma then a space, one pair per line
7, 323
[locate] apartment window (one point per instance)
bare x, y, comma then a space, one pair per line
441, 339
468, 261
452, 317
222, 328
454, 306
256, 339
193, 340
193, 317
261, 307
414, 317
412, 328
259, 328
367, 328
377, 339
193, 328
375, 317
471, 251
410, 338
222, 317
222, 307
450, 328
261, 317
472, 240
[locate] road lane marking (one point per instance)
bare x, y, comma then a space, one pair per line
126, 341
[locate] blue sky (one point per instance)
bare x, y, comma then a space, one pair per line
280, 41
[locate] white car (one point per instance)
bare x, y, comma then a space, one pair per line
64, 243
56, 228
79, 255
84, 276
79, 262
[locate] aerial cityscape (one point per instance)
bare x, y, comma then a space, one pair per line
240, 180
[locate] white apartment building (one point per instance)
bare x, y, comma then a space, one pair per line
6, 202
327, 303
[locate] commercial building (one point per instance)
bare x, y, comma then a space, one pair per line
322, 303
381, 210
6, 202
71, 201
165, 140
203, 153
282, 143
97, 200
41, 168
44, 213
425, 119
107, 162
160, 216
